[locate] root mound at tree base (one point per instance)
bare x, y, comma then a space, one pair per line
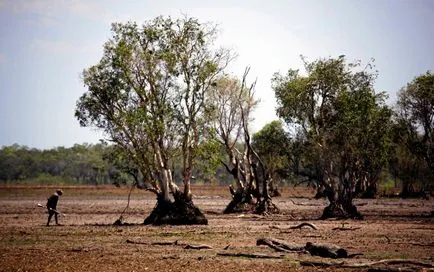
179, 212
266, 207
334, 211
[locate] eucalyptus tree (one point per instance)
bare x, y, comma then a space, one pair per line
414, 115
147, 94
232, 103
415, 111
272, 143
345, 126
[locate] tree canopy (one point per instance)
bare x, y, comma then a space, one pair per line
147, 94
344, 123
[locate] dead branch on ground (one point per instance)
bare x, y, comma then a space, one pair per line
120, 220
173, 243
280, 245
366, 265
322, 250
344, 228
299, 226
250, 255
197, 247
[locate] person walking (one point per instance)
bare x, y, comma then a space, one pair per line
52, 205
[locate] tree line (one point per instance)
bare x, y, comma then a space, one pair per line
84, 164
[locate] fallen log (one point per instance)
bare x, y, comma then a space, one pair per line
326, 251
280, 245
322, 250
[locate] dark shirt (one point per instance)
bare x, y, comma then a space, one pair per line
52, 201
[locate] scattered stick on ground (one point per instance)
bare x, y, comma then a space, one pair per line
154, 243
136, 242
251, 255
197, 247
368, 264
173, 243
299, 226
322, 250
120, 220
344, 228
304, 224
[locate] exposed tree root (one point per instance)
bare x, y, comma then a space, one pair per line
335, 211
180, 212
266, 206
241, 202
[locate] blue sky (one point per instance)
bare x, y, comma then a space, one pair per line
45, 44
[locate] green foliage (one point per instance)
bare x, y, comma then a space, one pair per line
415, 117
80, 164
344, 123
272, 143
208, 161
147, 93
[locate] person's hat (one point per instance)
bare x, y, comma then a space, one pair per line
59, 191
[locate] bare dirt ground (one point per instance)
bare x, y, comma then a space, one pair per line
87, 240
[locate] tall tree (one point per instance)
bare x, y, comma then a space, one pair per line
345, 126
147, 94
414, 115
415, 111
232, 105
271, 143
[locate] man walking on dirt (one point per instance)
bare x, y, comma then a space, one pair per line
52, 205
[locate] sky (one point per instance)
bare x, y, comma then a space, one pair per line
46, 44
